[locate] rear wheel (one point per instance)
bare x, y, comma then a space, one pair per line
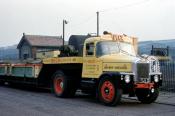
108, 93
147, 96
63, 86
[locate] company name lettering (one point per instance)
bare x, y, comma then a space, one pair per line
124, 67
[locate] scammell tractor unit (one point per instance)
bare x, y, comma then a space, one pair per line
106, 66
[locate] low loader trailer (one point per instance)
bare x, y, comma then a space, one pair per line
106, 66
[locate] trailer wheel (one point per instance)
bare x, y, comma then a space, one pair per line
62, 85
146, 96
108, 93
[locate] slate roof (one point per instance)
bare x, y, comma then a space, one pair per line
41, 41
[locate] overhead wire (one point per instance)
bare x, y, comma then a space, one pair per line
124, 6
86, 21
107, 10
83, 22
121, 7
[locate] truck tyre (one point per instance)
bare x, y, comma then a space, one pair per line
108, 92
62, 85
146, 96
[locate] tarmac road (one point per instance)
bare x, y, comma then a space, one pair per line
37, 102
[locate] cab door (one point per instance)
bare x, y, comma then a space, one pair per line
91, 64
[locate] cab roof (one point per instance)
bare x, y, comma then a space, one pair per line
111, 37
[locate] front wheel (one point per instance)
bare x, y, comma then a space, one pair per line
147, 96
108, 92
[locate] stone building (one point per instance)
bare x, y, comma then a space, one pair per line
29, 45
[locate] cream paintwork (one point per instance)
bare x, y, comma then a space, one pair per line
118, 62
47, 54
120, 57
93, 67
36, 68
63, 60
37, 71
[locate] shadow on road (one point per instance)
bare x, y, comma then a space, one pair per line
78, 97
29, 88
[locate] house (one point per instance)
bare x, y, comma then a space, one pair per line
29, 45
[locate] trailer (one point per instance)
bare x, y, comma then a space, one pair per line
106, 66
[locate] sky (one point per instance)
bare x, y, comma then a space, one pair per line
145, 19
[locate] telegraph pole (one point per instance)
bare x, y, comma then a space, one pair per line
63, 34
97, 23
64, 22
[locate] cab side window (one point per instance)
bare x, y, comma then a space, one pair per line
89, 49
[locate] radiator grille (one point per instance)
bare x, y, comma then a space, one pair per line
143, 70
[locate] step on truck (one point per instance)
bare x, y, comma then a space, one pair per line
106, 66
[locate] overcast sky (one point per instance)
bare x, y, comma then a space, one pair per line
145, 19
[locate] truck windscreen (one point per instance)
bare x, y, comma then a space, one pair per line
106, 47
128, 48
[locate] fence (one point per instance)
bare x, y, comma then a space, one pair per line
168, 75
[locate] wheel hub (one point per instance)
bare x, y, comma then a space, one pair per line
58, 84
108, 91
61, 85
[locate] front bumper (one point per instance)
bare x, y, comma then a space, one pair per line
134, 85
144, 85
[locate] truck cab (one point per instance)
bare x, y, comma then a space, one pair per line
106, 54
112, 63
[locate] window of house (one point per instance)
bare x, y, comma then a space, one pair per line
25, 52
25, 56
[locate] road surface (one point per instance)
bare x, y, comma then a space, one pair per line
19, 101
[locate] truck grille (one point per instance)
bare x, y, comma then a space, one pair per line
143, 70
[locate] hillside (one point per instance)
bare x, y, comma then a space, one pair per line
145, 46
9, 52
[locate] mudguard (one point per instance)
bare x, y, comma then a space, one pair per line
115, 75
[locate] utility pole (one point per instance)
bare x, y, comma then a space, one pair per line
97, 23
64, 22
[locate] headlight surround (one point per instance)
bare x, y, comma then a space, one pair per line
127, 78
156, 78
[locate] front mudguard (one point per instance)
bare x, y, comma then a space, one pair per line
119, 80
